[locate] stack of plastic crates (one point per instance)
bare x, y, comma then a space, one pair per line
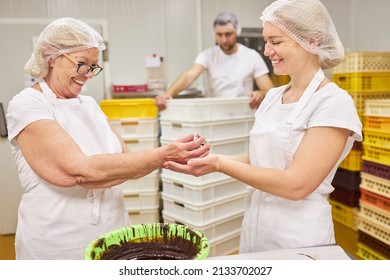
135, 119
213, 203
365, 76
374, 215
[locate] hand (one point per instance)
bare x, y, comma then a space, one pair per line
196, 166
255, 98
186, 148
161, 101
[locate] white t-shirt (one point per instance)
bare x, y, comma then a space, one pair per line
231, 75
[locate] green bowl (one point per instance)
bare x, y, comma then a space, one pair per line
150, 241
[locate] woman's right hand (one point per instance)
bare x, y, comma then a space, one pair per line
183, 149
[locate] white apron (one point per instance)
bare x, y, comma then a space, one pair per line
59, 223
271, 222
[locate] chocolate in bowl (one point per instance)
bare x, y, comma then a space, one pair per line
155, 241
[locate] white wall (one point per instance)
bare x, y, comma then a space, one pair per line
179, 29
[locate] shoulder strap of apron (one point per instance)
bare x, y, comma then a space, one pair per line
307, 94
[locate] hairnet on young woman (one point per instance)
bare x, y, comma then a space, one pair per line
61, 36
309, 24
225, 18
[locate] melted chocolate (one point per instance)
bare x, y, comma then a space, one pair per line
167, 246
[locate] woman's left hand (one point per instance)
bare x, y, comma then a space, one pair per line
196, 166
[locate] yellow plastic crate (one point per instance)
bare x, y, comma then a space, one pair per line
353, 161
363, 82
344, 214
364, 62
376, 154
366, 253
129, 108
376, 139
380, 124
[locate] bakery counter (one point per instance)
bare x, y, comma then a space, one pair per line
329, 252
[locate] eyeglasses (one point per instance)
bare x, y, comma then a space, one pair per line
83, 68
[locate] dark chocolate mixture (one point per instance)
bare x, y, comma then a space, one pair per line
162, 244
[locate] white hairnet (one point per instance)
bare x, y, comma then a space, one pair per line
225, 18
61, 36
307, 21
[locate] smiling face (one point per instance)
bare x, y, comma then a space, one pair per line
286, 55
63, 78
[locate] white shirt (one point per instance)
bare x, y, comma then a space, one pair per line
56, 222
231, 75
271, 222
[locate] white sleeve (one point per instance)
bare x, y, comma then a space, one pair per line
26, 107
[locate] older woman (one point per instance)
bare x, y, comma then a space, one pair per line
69, 159
301, 134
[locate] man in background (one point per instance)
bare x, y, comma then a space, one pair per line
232, 68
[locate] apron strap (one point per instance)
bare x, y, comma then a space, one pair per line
307, 94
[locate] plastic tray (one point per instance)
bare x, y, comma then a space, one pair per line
360, 98
376, 245
364, 62
378, 108
375, 214
375, 199
344, 214
366, 253
215, 230
376, 169
134, 127
129, 108
347, 196
207, 109
141, 143
380, 124
376, 139
347, 179
201, 194
148, 183
214, 130
374, 229
143, 216
375, 184
225, 246
353, 161
141, 201
363, 82
207, 213
376, 154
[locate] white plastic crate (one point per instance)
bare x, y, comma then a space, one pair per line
202, 194
225, 246
224, 147
377, 108
141, 143
140, 201
185, 178
207, 109
214, 130
148, 183
133, 127
205, 214
214, 231
143, 216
